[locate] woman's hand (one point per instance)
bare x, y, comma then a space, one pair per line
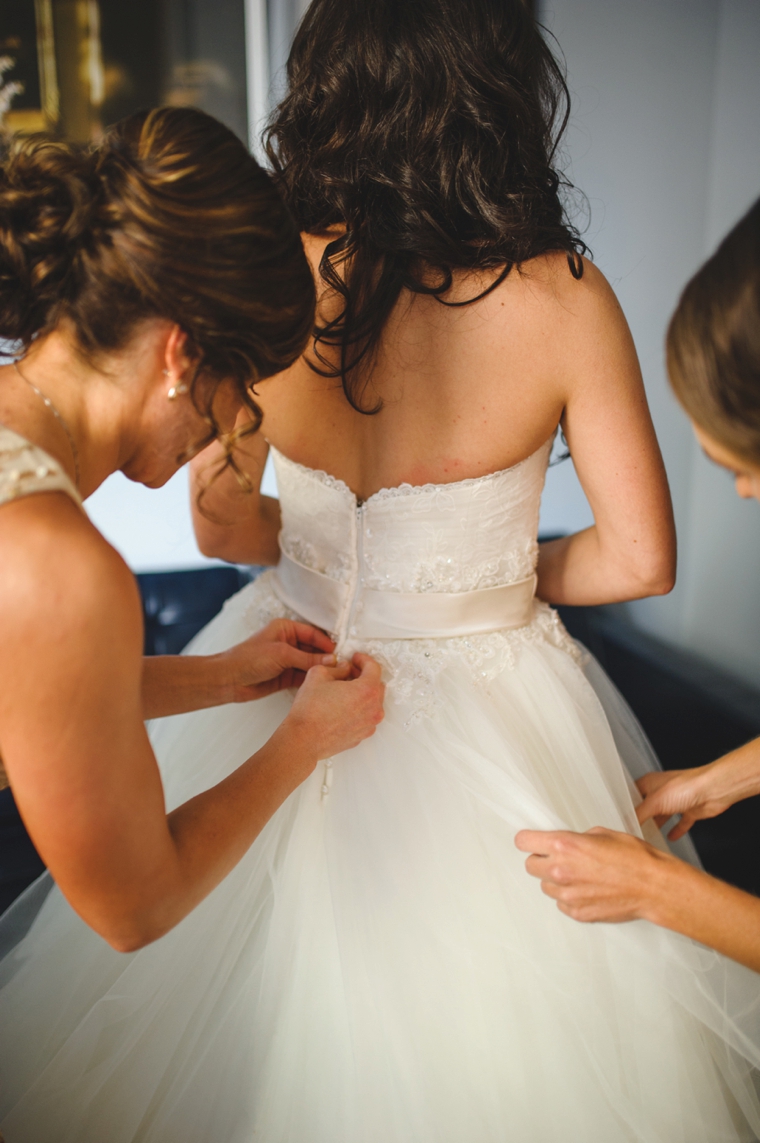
274, 658
339, 706
600, 875
691, 793
703, 792
607, 876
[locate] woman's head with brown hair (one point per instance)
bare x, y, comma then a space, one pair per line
713, 351
426, 130
168, 217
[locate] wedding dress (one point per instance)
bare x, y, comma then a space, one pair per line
379, 968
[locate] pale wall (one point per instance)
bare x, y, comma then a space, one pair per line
665, 142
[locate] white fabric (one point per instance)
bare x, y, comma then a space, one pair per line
401, 614
25, 469
379, 968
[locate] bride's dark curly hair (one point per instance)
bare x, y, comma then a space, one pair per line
428, 128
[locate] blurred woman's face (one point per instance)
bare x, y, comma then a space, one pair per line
746, 475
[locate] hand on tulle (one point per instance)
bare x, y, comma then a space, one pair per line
695, 794
340, 705
600, 875
275, 658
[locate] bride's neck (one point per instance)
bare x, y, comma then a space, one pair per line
93, 405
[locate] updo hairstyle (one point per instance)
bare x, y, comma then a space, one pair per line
428, 129
168, 217
713, 343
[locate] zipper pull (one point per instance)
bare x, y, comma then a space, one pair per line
327, 779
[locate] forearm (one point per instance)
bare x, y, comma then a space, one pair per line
701, 792
580, 570
263, 545
233, 521
208, 835
212, 831
241, 531
174, 684
736, 776
718, 915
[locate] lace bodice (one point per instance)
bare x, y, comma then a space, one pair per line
463, 537
434, 537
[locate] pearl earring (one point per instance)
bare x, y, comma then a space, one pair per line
176, 390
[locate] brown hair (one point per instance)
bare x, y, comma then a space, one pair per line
714, 342
169, 216
428, 129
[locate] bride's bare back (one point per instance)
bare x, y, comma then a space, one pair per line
464, 391
470, 390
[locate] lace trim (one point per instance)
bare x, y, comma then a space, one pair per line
406, 489
26, 468
445, 574
304, 552
412, 666
262, 603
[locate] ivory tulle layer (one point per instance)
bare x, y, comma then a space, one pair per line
380, 968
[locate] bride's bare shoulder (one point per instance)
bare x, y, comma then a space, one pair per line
560, 312
550, 287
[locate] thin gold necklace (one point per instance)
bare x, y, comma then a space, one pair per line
57, 415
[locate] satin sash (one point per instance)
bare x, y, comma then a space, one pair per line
327, 603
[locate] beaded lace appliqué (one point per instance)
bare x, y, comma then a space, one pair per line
464, 536
25, 469
411, 666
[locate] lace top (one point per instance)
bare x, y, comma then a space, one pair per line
462, 536
25, 469
459, 537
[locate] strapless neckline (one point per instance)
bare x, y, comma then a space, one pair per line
405, 488
413, 564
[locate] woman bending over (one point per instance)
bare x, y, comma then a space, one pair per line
151, 283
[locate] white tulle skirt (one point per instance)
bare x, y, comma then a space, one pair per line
380, 968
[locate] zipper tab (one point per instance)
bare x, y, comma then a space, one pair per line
350, 624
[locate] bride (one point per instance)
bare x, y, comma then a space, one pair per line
379, 968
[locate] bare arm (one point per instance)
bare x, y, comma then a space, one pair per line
273, 659
75, 748
629, 552
230, 523
607, 876
703, 792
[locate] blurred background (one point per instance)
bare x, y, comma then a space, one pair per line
73, 67
84, 64
664, 142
